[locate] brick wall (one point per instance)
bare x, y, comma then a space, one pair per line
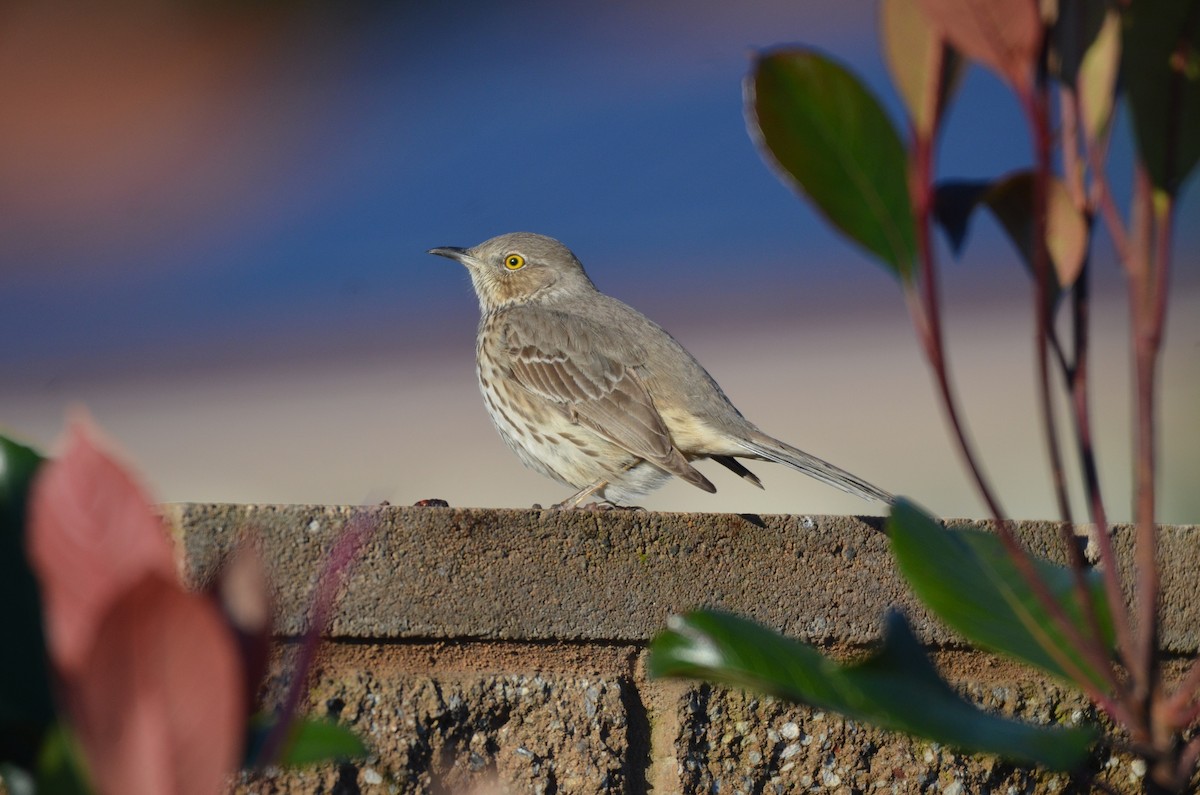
484, 650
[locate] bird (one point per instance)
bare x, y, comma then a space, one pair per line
590, 392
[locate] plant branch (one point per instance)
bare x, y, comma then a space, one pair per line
925, 310
1036, 112
1183, 708
1187, 761
1099, 196
1102, 198
1076, 374
1145, 347
1156, 209
1036, 107
338, 566
927, 317
1073, 161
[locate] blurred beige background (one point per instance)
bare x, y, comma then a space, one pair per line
843, 379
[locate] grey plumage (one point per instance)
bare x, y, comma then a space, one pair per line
589, 391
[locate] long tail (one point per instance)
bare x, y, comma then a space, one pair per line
762, 446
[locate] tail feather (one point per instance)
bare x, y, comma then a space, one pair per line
762, 446
735, 466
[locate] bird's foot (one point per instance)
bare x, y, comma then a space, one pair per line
605, 505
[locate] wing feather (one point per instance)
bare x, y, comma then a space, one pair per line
578, 366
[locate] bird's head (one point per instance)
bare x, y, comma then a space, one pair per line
519, 268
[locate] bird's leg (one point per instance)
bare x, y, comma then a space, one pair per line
579, 496
587, 491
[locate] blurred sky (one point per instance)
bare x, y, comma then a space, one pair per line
210, 213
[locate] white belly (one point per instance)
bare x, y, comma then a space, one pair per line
547, 441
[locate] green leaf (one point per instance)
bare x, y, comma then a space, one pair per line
309, 741
1161, 74
821, 127
924, 69
896, 687
313, 741
26, 708
967, 579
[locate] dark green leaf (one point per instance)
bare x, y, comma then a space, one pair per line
1076, 26
1161, 72
954, 201
1085, 54
1011, 202
26, 708
967, 578
824, 130
896, 688
309, 741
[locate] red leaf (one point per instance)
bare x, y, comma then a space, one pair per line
92, 535
1004, 35
159, 707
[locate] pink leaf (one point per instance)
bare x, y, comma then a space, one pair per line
92, 535
924, 69
1004, 35
158, 709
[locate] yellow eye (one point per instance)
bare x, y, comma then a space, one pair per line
514, 262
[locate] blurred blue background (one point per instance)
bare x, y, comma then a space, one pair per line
212, 214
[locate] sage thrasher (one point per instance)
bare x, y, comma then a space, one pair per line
590, 392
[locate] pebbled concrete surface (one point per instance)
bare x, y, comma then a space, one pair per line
731, 741
446, 732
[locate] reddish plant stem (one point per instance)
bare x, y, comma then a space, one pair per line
1103, 199
1182, 709
1075, 373
342, 557
927, 316
1187, 762
1039, 123
1145, 348
925, 310
1149, 323
1093, 648
1044, 338
1069, 134
1100, 197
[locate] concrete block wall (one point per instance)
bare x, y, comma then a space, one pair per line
484, 651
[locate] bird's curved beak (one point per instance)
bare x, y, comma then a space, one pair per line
450, 252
